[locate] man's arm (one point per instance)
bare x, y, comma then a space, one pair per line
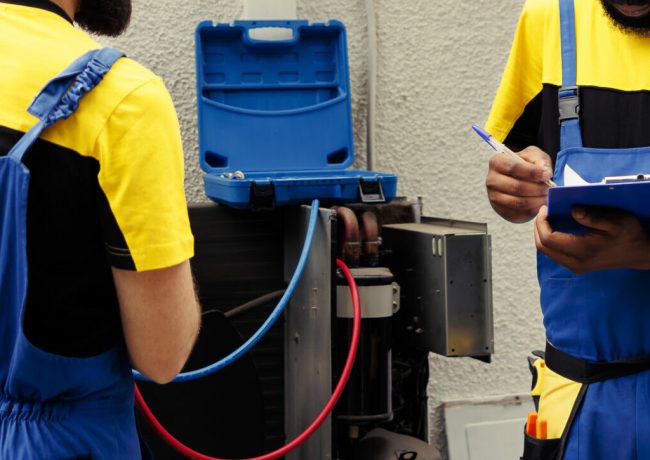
516, 190
614, 240
160, 318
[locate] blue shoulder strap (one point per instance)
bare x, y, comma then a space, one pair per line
569, 94
60, 97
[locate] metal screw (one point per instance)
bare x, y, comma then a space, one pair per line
234, 175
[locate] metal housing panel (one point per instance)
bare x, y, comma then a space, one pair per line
444, 270
468, 299
308, 336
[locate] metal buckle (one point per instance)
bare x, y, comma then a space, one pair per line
568, 103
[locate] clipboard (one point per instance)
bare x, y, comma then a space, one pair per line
626, 195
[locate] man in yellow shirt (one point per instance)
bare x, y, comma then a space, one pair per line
95, 239
575, 97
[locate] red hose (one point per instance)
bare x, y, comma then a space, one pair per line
354, 343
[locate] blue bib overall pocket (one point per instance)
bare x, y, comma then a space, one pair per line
599, 315
593, 165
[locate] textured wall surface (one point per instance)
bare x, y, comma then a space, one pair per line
439, 65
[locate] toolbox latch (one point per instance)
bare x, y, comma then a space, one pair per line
371, 191
262, 196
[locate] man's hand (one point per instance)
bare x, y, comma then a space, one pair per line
614, 240
516, 189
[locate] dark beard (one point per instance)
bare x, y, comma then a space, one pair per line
104, 17
637, 26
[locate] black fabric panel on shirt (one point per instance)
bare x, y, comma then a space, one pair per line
615, 119
526, 130
609, 118
115, 245
71, 307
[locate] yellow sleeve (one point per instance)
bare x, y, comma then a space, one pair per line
142, 178
522, 78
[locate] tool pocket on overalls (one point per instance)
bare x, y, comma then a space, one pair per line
540, 449
557, 400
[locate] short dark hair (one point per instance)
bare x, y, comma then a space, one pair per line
104, 17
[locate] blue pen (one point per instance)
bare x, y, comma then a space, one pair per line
500, 148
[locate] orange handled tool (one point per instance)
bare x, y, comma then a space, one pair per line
542, 428
531, 424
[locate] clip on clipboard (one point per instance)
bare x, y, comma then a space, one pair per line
625, 193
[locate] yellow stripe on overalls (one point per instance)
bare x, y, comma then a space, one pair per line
557, 395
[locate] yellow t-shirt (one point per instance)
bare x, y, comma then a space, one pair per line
612, 72
106, 185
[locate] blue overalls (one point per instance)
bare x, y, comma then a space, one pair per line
54, 407
597, 324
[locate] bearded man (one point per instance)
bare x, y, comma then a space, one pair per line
96, 278
575, 100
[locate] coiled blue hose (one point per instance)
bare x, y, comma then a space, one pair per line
273, 317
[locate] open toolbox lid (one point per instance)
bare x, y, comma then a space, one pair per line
276, 110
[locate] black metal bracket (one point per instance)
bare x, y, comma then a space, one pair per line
262, 196
371, 191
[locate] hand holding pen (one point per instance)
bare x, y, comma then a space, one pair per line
498, 147
517, 183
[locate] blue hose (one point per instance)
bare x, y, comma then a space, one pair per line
273, 317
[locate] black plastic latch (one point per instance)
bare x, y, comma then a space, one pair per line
568, 102
371, 191
262, 196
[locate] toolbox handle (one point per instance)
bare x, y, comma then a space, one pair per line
254, 40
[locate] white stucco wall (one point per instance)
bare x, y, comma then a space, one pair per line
439, 66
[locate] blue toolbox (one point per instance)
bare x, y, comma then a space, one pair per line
275, 119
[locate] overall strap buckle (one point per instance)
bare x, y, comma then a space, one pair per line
568, 103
